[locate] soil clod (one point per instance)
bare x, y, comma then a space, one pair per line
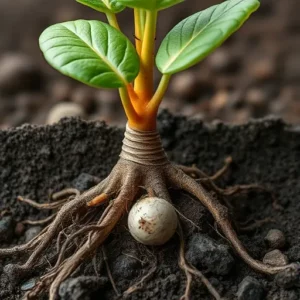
275, 258
205, 253
275, 239
250, 289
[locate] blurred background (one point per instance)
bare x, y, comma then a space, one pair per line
255, 73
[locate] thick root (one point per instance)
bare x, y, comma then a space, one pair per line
83, 222
220, 214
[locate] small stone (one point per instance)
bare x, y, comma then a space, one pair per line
32, 232
263, 69
63, 110
204, 252
289, 277
275, 258
126, 267
275, 239
84, 182
28, 285
17, 73
19, 229
6, 228
256, 98
250, 289
80, 288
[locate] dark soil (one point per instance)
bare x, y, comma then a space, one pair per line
36, 161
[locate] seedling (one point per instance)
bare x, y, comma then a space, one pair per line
100, 55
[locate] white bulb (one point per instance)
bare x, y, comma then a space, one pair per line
152, 221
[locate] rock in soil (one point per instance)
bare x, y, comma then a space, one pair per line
84, 182
31, 232
275, 258
250, 289
204, 252
81, 288
6, 229
275, 239
63, 110
126, 267
288, 278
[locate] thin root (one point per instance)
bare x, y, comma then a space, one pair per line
220, 214
109, 272
190, 270
140, 284
39, 222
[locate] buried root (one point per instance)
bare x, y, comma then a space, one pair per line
82, 222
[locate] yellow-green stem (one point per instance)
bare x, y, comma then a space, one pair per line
112, 20
144, 82
154, 103
138, 31
126, 102
130, 112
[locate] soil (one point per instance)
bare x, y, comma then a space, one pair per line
38, 160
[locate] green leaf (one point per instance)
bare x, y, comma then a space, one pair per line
150, 4
195, 37
92, 52
105, 6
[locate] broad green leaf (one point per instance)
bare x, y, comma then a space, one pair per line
150, 4
103, 5
195, 37
92, 52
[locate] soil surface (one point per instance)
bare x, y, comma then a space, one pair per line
37, 160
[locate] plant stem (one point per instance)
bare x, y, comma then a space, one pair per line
125, 98
144, 82
112, 20
130, 112
138, 30
159, 94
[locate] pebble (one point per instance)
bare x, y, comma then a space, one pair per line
275, 258
6, 228
80, 288
28, 285
84, 182
204, 252
32, 232
275, 239
263, 69
256, 98
19, 229
289, 277
63, 110
250, 289
125, 267
17, 73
